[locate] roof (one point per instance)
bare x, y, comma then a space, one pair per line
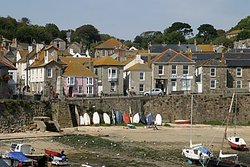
159, 48
212, 62
237, 55
78, 70
39, 61
75, 67
171, 56
49, 47
128, 60
238, 63
205, 56
111, 43
139, 67
107, 61
6, 63
205, 48
23, 54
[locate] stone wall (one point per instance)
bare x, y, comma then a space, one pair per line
17, 115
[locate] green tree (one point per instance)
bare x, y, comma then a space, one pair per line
25, 34
224, 41
243, 24
174, 38
53, 30
184, 28
245, 34
8, 27
25, 20
86, 34
207, 33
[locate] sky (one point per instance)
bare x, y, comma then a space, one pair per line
125, 19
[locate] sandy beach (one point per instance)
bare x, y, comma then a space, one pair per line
173, 137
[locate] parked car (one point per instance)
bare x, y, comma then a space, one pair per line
154, 92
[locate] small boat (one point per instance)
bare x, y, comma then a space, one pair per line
18, 158
149, 119
234, 141
126, 118
56, 158
182, 121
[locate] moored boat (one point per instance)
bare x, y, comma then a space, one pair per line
182, 121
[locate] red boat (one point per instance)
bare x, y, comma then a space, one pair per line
52, 153
182, 121
126, 118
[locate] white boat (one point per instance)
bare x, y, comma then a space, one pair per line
196, 153
235, 141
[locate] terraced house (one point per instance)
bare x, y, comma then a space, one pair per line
173, 72
110, 76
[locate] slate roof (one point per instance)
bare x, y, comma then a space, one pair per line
107, 61
6, 63
237, 55
205, 56
247, 50
139, 67
171, 56
111, 43
159, 48
238, 63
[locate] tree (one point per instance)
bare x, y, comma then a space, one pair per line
243, 24
25, 20
86, 34
25, 34
184, 28
222, 40
53, 30
207, 32
174, 38
8, 27
245, 34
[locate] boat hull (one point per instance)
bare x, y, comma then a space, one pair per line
182, 121
236, 142
223, 163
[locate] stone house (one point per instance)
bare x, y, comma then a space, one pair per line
211, 76
110, 76
78, 79
58, 43
110, 47
6, 90
238, 71
45, 71
173, 72
139, 78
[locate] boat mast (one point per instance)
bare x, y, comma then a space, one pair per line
235, 113
227, 120
191, 120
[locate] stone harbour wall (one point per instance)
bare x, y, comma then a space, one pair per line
17, 115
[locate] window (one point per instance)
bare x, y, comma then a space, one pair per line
212, 72
112, 73
238, 84
160, 70
185, 69
174, 70
238, 72
142, 76
186, 84
96, 71
71, 81
90, 90
49, 73
112, 87
89, 81
212, 84
141, 87
80, 89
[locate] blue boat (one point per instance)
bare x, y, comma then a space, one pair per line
119, 117
149, 119
21, 158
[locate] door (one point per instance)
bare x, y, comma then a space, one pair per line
174, 86
70, 91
